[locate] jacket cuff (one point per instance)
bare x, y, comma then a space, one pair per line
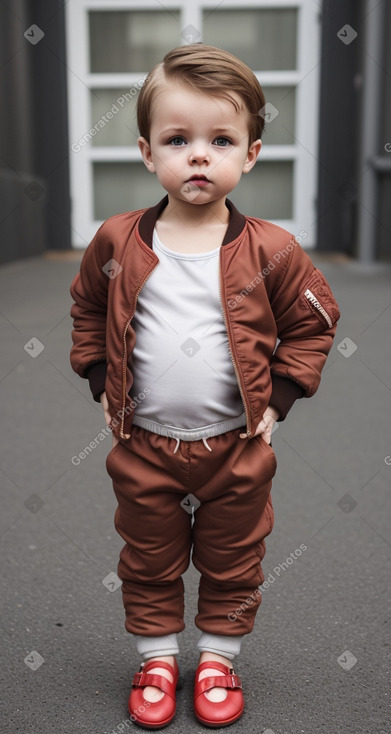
96, 376
284, 393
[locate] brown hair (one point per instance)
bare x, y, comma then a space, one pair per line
207, 70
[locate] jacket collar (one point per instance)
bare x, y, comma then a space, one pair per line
148, 220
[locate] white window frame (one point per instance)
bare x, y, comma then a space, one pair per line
306, 79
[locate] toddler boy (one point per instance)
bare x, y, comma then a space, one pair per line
197, 328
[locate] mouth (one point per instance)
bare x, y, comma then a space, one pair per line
198, 179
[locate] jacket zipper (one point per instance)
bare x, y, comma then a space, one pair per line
312, 299
124, 361
232, 358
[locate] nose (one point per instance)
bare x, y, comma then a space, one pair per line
199, 153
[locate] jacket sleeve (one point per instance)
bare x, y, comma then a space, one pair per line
306, 315
89, 293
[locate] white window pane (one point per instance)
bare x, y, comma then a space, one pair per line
131, 41
281, 130
113, 116
123, 187
266, 192
264, 39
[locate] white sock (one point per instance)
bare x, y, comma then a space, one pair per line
223, 645
152, 647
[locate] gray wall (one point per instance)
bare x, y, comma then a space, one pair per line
34, 177
340, 96
341, 132
383, 239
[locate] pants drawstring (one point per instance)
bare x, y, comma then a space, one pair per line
178, 440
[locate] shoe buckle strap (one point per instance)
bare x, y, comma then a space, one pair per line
219, 681
141, 680
235, 679
137, 679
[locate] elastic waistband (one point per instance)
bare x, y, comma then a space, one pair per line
190, 434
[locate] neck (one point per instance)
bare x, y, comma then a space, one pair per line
186, 213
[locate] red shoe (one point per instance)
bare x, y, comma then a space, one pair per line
146, 713
224, 712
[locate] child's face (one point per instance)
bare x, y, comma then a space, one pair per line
191, 134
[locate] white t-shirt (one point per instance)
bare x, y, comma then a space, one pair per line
181, 351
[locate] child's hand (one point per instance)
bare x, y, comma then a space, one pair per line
105, 406
264, 428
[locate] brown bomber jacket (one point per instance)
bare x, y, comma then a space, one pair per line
270, 293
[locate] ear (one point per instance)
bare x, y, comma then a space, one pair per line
252, 155
145, 150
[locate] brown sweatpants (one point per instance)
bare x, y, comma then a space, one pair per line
232, 483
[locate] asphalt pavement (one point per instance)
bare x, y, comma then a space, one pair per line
318, 659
